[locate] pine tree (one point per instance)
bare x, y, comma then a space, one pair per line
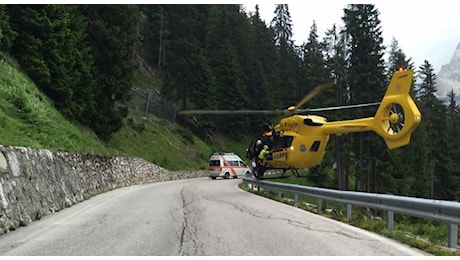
183, 53
52, 49
112, 37
397, 59
450, 180
434, 126
7, 35
154, 33
31, 24
288, 60
366, 52
222, 54
188, 77
336, 65
366, 78
260, 63
314, 66
282, 25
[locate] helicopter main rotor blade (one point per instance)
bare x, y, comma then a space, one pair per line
221, 112
312, 93
337, 108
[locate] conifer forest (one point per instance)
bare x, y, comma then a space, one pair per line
221, 57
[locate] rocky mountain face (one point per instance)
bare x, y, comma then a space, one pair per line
449, 75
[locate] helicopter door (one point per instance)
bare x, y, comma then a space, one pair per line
282, 142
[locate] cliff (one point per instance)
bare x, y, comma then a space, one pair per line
449, 75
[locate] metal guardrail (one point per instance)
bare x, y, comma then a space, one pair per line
440, 210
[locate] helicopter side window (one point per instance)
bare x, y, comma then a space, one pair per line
310, 122
315, 146
281, 142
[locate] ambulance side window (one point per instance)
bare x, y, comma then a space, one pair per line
214, 163
233, 163
243, 164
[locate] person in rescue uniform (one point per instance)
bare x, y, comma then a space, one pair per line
263, 154
260, 163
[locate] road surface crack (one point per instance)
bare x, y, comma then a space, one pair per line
295, 223
189, 242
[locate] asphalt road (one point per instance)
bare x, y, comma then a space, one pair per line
191, 217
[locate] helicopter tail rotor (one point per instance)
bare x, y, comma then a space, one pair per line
395, 119
397, 116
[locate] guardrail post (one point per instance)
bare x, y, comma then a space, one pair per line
296, 199
390, 219
267, 192
348, 211
319, 205
280, 194
453, 233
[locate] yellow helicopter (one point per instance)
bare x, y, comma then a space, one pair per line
299, 141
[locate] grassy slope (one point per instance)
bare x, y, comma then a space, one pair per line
163, 143
28, 118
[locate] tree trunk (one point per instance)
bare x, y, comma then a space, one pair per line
338, 161
161, 48
368, 166
359, 166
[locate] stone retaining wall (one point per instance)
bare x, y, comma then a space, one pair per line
35, 183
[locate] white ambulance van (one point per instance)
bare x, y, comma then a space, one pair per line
227, 164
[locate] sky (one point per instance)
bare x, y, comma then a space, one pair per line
427, 30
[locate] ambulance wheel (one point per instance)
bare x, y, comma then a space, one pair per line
213, 178
227, 175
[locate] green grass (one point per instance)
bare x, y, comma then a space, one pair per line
28, 118
227, 144
144, 81
162, 143
427, 235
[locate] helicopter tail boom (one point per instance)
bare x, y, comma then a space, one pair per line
396, 118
